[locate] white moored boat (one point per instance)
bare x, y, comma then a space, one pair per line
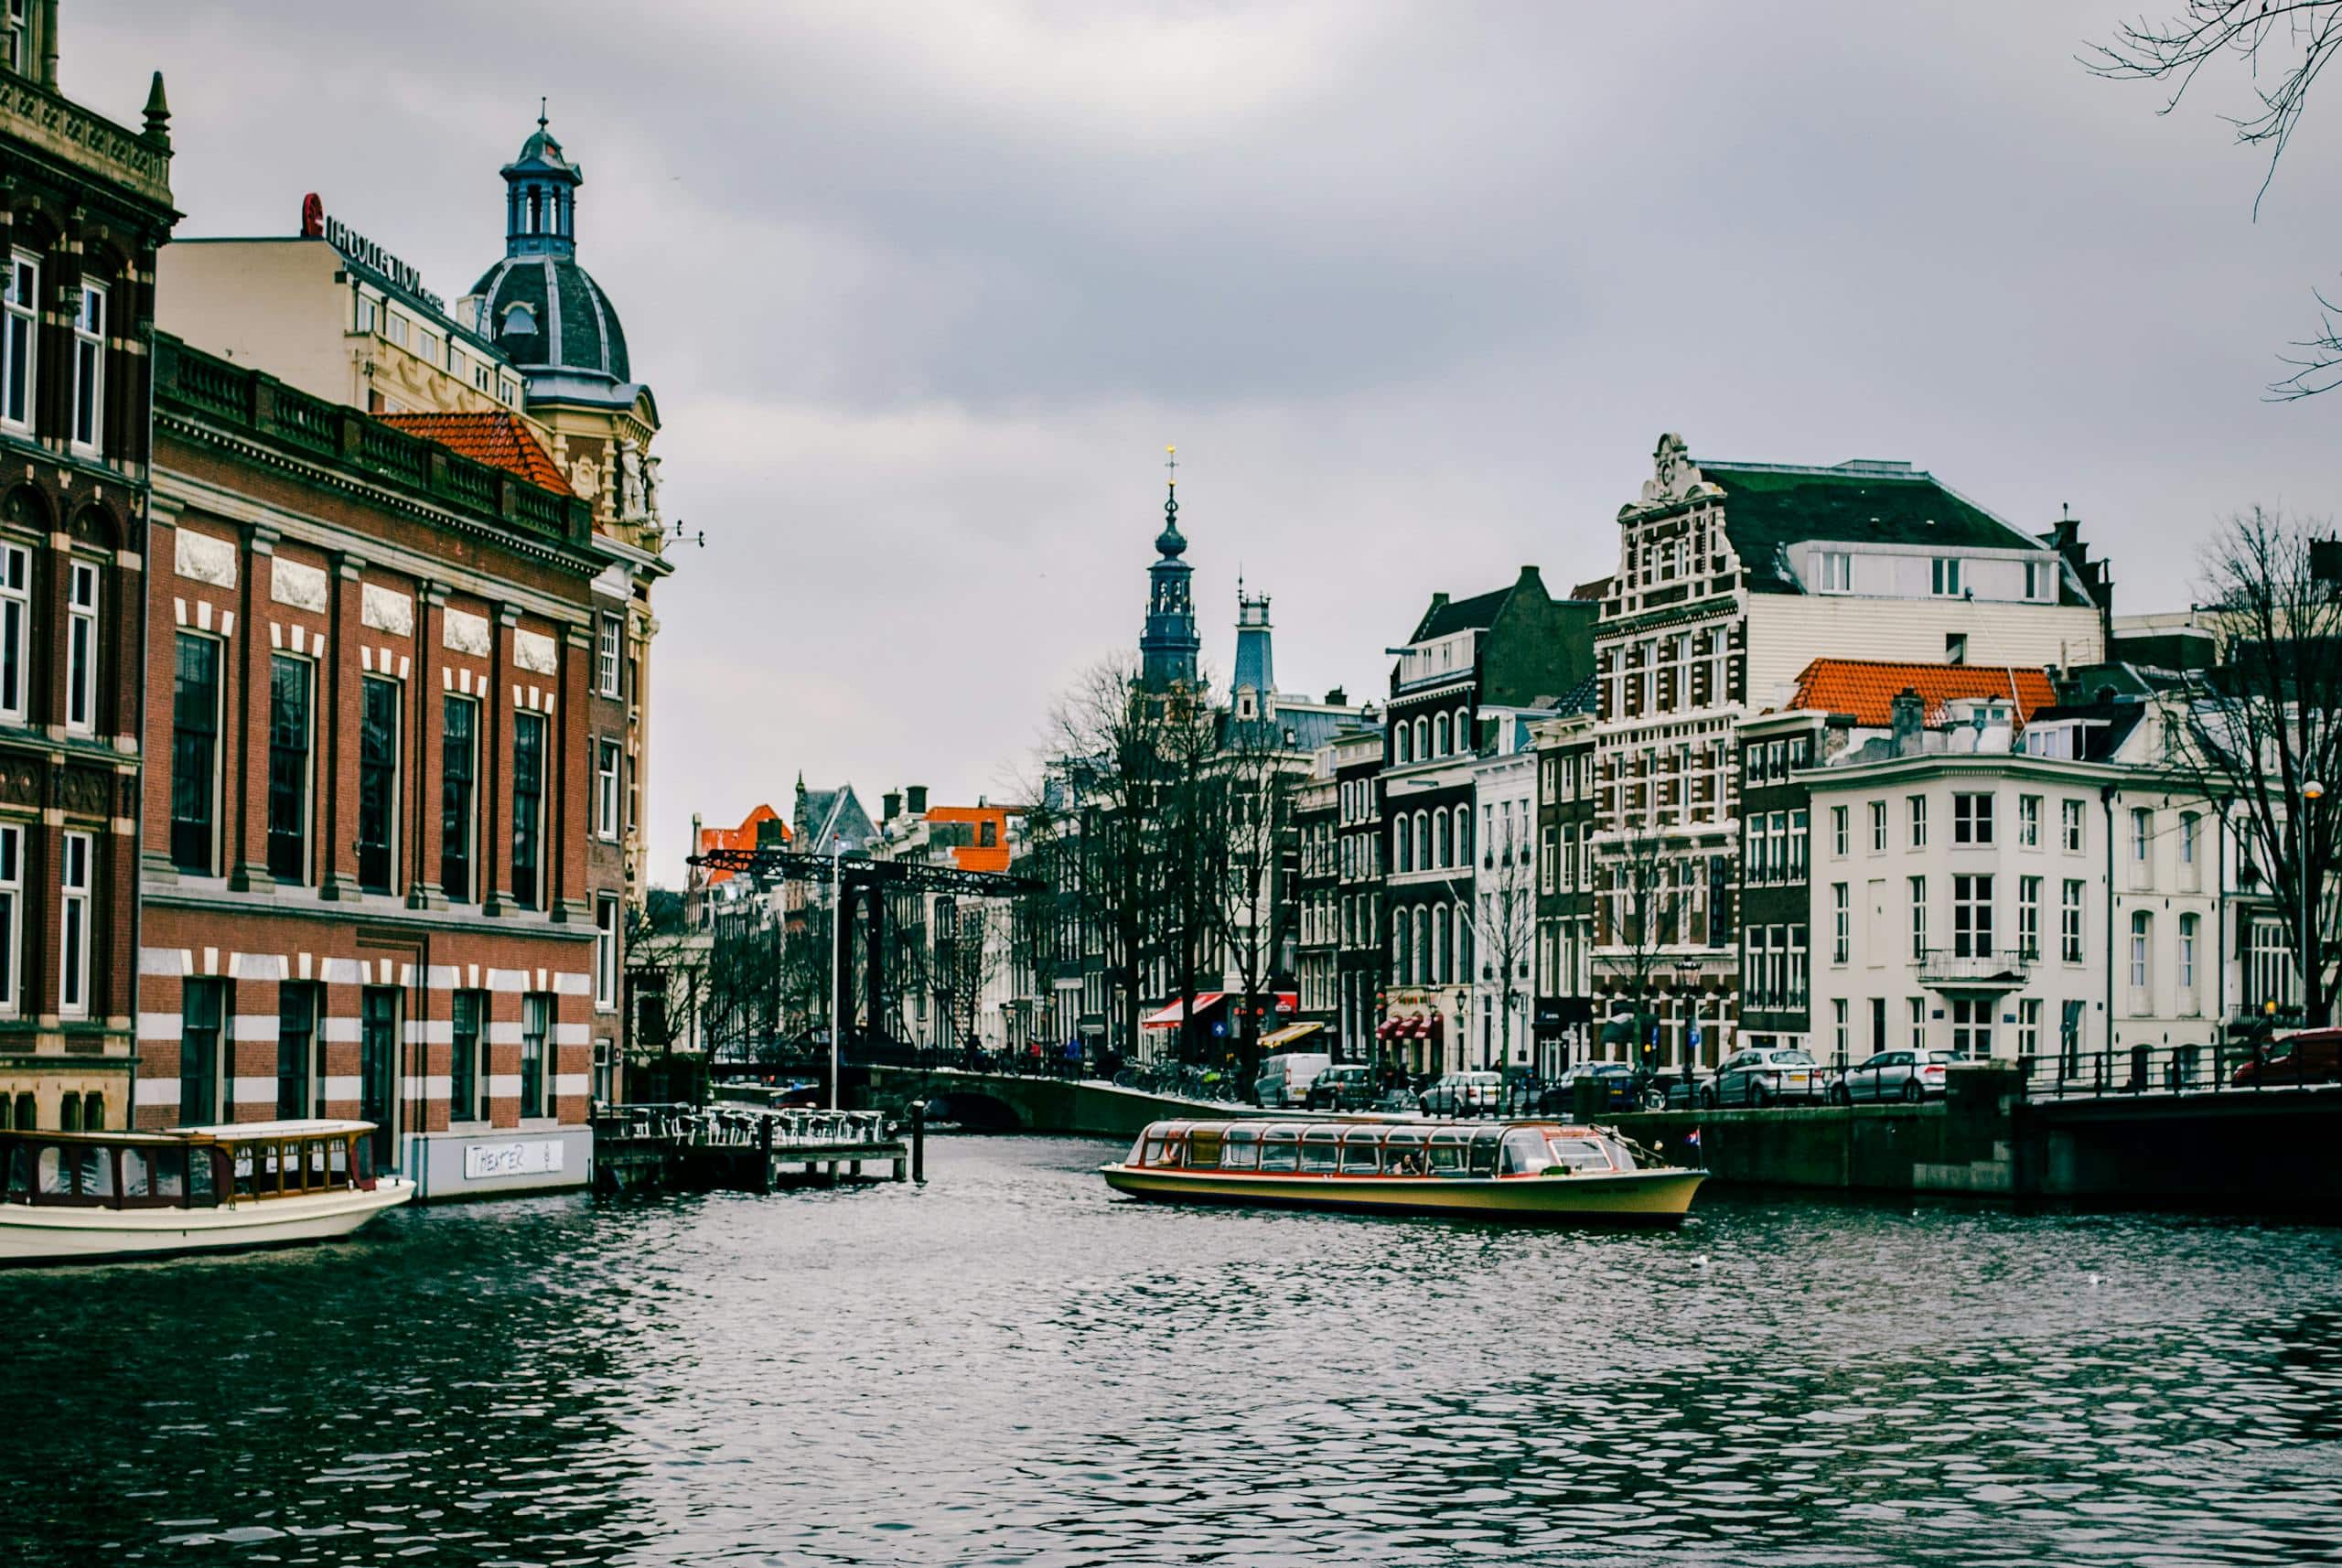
73, 1196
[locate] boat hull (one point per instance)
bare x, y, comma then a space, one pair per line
1615, 1197
61, 1235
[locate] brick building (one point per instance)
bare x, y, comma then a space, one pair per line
87, 203
366, 884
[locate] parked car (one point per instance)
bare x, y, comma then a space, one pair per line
1676, 1090
1892, 1075
1342, 1089
1398, 1102
2313, 1056
1464, 1094
1617, 1079
1285, 1079
1764, 1075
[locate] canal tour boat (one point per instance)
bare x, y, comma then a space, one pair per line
1538, 1171
80, 1197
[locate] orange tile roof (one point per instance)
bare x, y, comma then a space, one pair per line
742, 837
1865, 690
492, 436
973, 856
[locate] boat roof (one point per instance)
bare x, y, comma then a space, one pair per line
239, 1131
1413, 1126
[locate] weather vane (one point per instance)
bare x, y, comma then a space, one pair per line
1172, 463
680, 537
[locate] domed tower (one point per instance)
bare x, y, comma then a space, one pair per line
542, 308
1168, 647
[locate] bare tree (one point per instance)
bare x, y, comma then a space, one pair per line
1247, 829
1642, 909
1504, 921
2284, 46
2261, 741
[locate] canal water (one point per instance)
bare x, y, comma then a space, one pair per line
1006, 1366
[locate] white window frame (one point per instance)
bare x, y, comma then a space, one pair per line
1971, 817
2143, 935
12, 906
75, 853
2072, 933
1838, 833
606, 954
19, 374
2028, 822
16, 630
2073, 827
365, 313
1916, 808
1918, 891
2191, 928
608, 645
81, 647
1944, 575
1878, 827
1842, 930
394, 328
90, 317
606, 791
1837, 571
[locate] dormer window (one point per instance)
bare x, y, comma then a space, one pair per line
1837, 571
519, 318
1946, 577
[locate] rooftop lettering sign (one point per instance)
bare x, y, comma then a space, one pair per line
358, 248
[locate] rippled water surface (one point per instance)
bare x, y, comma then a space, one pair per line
1006, 1366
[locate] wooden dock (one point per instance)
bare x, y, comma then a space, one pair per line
747, 1148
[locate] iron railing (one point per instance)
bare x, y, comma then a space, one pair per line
2130, 1071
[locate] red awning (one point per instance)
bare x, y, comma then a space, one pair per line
1171, 1018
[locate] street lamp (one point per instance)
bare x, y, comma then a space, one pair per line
837, 962
2311, 792
1687, 969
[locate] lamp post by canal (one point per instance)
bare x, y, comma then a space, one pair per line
2311, 792
837, 963
1687, 969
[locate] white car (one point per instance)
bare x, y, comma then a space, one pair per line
1765, 1075
1464, 1094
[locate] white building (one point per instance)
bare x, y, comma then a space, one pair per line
1504, 905
1731, 578
2053, 898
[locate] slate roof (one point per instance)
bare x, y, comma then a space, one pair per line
493, 436
565, 321
825, 815
1477, 614
1865, 690
1768, 507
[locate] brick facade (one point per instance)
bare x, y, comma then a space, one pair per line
83, 205
412, 594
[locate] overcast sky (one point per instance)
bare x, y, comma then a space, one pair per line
923, 291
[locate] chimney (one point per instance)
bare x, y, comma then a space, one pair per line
915, 799
1910, 723
1338, 698
890, 805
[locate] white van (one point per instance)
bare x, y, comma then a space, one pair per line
1284, 1079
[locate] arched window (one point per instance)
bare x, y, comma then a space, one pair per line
2188, 926
1402, 946
1422, 840
1439, 736
27, 1113
69, 1112
1464, 729
1439, 839
1423, 740
1445, 973
1463, 835
94, 1113
1399, 750
536, 211
1403, 846
1423, 945
1463, 942
2142, 931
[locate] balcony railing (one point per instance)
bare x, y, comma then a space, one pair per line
1983, 968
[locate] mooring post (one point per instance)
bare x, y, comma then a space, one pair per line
764, 1154
919, 1142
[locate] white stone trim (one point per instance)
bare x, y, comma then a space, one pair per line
252, 1026
351, 1087
572, 1085
179, 961
160, 1025
337, 1031
504, 1086
252, 1090
580, 984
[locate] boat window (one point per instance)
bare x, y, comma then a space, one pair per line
202, 1179
93, 1173
20, 1171
1319, 1152
240, 1163
170, 1174
1580, 1154
1281, 1150
1447, 1159
1524, 1153
1361, 1155
1620, 1160
1150, 1151
313, 1156
1203, 1150
1241, 1151
1484, 1150
338, 1161
137, 1181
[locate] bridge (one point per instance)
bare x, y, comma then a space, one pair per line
1014, 1102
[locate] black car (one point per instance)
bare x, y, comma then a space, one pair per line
1342, 1089
1617, 1079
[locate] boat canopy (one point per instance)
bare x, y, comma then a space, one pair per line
195, 1167
1397, 1149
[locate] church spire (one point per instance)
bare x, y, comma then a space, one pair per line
1168, 647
